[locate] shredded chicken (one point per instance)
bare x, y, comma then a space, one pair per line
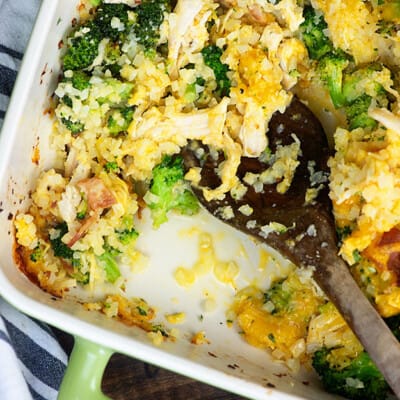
386, 118
205, 125
252, 132
227, 170
130, 3
70, 200
180, 21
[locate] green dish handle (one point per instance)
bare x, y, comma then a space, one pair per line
82, 379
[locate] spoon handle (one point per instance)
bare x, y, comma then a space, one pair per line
336, 281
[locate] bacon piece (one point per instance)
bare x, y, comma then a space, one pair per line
394, 265
86, 224
98, 198
390, 237
97, 194
384, 252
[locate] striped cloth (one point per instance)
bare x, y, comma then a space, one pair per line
32, 363
16, 20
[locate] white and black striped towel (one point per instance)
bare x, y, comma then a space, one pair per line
32, 363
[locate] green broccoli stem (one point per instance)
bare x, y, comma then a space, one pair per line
108, 262
169, 191
331, 68
313, 33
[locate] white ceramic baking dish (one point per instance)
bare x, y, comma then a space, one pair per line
227, 361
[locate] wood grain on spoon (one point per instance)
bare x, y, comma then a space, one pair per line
309, 239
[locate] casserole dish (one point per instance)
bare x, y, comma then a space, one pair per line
226, 360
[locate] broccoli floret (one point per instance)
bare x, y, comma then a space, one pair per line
359, 88
119, 120
111, 166
358, 82
279, 297
128, 236
67, 100
75, 127
108, 261
115, 21
186, 203
331, 68
83, 47
357, 113
36, 254
112, 20
149, 17
212, 58
127, 233
347, 88
80, 80
170, 191
313, 32
60, 249
360, 380
350, 88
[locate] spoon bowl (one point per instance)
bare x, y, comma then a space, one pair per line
298, 222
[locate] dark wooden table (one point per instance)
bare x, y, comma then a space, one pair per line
128, 379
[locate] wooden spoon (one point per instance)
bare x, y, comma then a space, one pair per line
310, 238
